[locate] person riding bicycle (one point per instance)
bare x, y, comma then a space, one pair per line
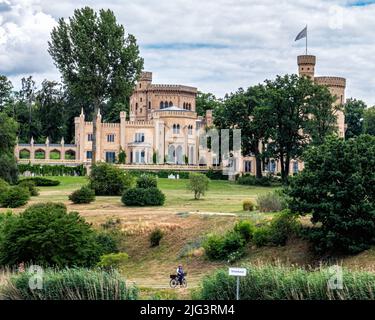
180, 274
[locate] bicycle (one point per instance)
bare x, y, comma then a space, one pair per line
174, 282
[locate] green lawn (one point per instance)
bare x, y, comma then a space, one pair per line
222, 196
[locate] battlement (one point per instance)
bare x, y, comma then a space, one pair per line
306, 60
146, 76
173, 87
331, 81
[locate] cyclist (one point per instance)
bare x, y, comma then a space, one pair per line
180, 274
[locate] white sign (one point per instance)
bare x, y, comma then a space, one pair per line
238, 272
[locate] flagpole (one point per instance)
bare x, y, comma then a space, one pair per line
306, 39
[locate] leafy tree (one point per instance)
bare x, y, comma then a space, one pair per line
46, 234
5, 91
198, 183
369, 121
206, 101
97, 61
337, 186
354, 113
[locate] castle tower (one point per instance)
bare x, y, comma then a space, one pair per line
306, 65
145, 80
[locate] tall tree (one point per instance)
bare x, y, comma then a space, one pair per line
206, 101
5, 91
369, 121
96, 60
354, 112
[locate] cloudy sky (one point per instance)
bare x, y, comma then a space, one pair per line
215, 45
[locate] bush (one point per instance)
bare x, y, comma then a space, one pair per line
245, 229
52, 170
108, 180
4, 186
47, 234
248, 205
15, 197
198, 183
113, 260
30, 185
107, 243
271, 202
155, 237
42, 182
288, 283
70, 284
143, 197
83, 195
282, 226
146, 181
8, 168
251, 180
222, 247
337, 186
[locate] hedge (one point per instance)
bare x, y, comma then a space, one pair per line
52, 170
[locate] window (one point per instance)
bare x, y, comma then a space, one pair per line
170, 103
272, 166
247, 166
110, 157
184, 105
141, 99
111, 138
176, 129
139, 137
89, 154
90, 137
295, 167
136, 106
161, 105
149, 105
190, 130
140, 85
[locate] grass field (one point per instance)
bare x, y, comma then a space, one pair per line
185, 222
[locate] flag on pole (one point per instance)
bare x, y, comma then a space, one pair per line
302, 34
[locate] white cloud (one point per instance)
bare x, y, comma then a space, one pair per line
217, 46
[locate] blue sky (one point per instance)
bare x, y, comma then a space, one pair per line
215, 45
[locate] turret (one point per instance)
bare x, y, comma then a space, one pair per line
306, 65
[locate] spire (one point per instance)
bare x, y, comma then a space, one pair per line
99, 114
82, 113
62, 141
47, 141
32, 140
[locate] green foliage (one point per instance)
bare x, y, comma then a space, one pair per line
83, 195
47, 234
354, 113
8, 134
155, 237
71, 284
288, 283
154, 157
223, 247
111, 223
198, 183
52, 170
107, 243
15, 197
250, 180
42, 182
147, 181
206, 101
369, 121
113, 260
282, 227
143, 197
122, 157
30, 185
338, 187
245, 229
106, 179
271, 202
8, 168
248, 205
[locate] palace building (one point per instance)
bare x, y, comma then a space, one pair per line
162, 127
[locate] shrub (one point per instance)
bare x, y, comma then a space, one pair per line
251, 180
106, 179
248, 205
107, 243
83, 195
270, 202
42, 182
111, 223
30, 185
337, 186
113, 260
15, 197
222, 247
70, 284
155, 237
8, 168
143, 197
282, 226
198, 183
47, 234
288, 283
245, 229
146, 181
4, 186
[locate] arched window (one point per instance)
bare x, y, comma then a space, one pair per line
149, 104
190, 130
174, 129
178, 129
189, 106
136, 106
166, 104
161, 105
184, 105
170, 103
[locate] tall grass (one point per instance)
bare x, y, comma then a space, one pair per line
288, 283
69, 284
